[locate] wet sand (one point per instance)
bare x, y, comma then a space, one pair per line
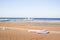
24, 35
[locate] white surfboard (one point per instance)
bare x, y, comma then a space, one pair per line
39, 31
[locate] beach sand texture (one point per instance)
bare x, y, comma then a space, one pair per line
24, 35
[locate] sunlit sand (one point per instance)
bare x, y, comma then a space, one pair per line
19, 30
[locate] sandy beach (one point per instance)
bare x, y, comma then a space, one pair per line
24, 35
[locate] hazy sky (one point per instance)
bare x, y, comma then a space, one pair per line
30, 8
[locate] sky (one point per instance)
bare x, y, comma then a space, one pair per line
30, 8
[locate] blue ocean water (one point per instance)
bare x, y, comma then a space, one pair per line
36, 19
46, 18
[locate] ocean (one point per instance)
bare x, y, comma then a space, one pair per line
30, 19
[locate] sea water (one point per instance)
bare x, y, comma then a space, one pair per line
31, 19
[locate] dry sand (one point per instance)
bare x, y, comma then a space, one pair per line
24, 35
